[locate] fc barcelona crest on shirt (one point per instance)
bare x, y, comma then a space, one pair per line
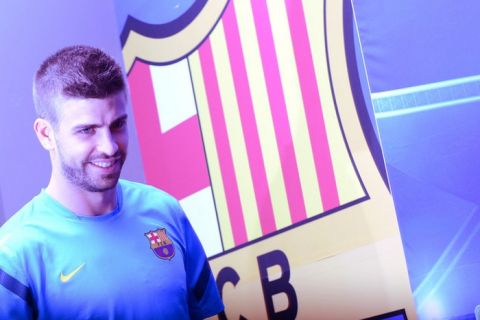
160, 244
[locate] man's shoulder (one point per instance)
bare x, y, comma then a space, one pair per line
137, 193
144, 190
20, 231
154, 204
20, 218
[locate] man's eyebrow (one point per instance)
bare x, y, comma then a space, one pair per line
121, 118
92, 125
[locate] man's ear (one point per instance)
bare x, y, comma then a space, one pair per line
44, 131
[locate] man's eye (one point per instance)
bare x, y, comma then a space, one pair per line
119, 124
89, 130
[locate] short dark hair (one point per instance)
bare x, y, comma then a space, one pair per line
75, 72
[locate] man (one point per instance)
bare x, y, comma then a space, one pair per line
91, 246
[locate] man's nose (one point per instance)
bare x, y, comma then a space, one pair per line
107, 144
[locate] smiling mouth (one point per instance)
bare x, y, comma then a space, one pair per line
105, 164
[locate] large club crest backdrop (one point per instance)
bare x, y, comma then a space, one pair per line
252, 114
245, 112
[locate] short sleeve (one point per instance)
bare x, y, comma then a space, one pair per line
204, 299
16, 297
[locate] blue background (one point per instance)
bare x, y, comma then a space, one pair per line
430, 50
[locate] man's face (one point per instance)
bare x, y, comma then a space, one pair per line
91, 141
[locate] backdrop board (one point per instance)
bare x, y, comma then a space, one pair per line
421, 58
246, 112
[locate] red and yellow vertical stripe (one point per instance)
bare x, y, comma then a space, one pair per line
274, 146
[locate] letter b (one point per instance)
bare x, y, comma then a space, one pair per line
280, 285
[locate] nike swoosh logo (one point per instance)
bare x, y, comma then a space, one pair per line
66, 278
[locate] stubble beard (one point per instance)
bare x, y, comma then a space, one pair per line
81, 178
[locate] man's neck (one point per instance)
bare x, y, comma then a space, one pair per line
80, 201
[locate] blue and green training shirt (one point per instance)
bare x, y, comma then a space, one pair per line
141, 261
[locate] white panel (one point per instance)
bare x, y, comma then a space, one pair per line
200, 210
173, 93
